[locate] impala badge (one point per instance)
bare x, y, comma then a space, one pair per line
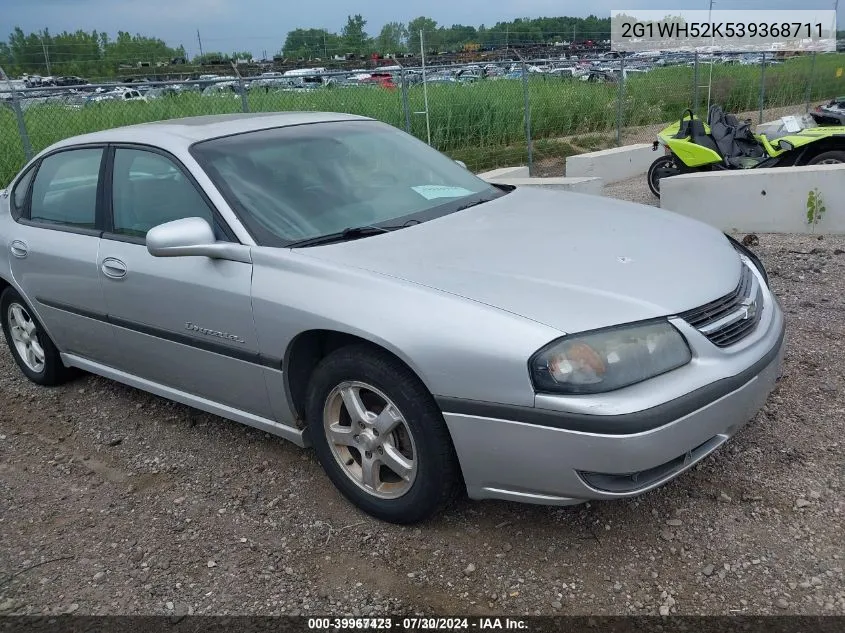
193, 327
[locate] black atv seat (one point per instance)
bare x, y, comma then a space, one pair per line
733, 137
694, 128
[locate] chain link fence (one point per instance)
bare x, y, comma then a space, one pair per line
510, 112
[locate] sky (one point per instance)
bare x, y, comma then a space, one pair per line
259, 25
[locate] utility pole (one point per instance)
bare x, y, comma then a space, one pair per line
199, 39
46, 56
710, 77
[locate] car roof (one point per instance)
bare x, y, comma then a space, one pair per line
180, 133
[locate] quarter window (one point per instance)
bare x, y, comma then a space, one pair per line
65, 188
19, 193
148, 189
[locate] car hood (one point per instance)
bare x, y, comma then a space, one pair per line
570, 261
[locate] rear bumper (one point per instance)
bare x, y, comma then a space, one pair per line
527, 461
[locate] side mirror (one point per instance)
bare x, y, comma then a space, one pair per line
192, 237
785, 145
462, 164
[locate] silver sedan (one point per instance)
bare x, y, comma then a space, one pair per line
334, 281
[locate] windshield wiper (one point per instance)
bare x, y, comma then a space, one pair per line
474, 203
345, 235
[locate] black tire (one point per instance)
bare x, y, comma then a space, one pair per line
663, 167
828, 158
53, 372
436, 480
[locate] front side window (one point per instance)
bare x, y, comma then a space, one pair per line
65, 189
148, 189
305, 181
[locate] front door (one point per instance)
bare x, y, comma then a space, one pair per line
183, 322
54, 251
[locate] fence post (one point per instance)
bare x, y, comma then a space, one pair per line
244, 102
526, 96
405, 106
762, 86
425, 88
810, 83
695, 84
620, 102
16, 106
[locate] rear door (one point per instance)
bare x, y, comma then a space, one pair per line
54, 251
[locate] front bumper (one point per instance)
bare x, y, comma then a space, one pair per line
533, 461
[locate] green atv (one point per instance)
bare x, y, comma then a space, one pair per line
725, 142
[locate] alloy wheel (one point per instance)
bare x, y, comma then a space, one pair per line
24, 335
370, 439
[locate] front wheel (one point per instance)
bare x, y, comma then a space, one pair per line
663, 167
379, 435
828, 158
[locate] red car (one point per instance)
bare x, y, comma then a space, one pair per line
385, 80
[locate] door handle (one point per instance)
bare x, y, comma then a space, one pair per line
113, 267
19, 249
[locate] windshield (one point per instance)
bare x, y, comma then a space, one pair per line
294, 183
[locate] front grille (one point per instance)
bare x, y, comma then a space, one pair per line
731, 318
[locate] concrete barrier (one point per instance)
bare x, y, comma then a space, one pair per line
506, 172
772, 200
612, 165
593, 186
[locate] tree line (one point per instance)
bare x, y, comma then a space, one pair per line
97, 54
81, 53
399, 37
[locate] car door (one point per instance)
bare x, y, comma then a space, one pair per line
182, 322
54, 250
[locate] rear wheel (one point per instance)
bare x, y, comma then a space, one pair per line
31, 348
828, 158
663, 167
379, 435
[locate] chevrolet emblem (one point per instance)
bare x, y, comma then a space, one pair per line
749, 307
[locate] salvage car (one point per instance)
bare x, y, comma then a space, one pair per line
332, 280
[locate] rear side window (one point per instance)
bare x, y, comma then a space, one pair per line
19, 193
65, 189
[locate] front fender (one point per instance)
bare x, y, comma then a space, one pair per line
693, 155
458, 347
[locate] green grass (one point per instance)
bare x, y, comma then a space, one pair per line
482, 124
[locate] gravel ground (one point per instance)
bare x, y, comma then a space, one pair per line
632, 190
113, 501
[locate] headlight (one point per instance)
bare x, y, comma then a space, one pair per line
604, 360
